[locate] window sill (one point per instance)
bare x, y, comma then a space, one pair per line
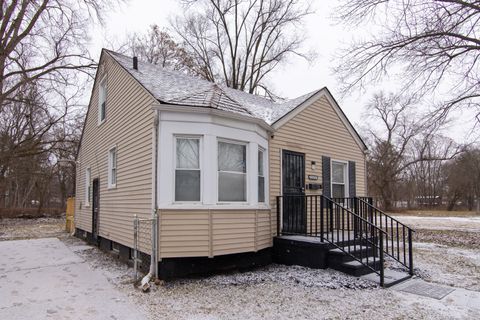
99, 123
112, 187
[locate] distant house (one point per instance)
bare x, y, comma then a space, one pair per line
208, 159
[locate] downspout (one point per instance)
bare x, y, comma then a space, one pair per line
153, 272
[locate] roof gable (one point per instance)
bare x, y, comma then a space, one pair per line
324, 92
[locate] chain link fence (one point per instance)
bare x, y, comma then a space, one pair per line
145, 240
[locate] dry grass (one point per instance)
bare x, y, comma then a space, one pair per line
16, 229
451, 238
437, 213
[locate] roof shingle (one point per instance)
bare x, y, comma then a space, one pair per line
174, 87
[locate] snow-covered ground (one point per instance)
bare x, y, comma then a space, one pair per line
469, 224
447, 249
442, 255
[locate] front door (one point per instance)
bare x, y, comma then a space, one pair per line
95, 208
293, 182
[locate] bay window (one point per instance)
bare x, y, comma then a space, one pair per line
232, 172
187, 169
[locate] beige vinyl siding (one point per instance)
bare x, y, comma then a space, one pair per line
128, 127
316, 131
209, 233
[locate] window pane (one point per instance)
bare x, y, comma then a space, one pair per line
102, 96
188, 153
114, 158
338, 191
87, 185
338, 172
231, 186
187, 185
260, 163
102, 111
232, 157
261, 189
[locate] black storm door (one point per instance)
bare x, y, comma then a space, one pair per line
95, 207
293, 185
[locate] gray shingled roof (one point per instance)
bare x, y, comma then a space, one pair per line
174, 87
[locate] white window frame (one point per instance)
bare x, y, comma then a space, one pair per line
345, 175
246, 173
88, 184
102, 93
200, 163
111, 168
262, 150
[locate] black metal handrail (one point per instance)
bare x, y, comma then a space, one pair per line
336, 224
398, 244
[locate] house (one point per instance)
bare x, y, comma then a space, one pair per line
210, 161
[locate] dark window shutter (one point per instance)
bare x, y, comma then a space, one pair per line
326, 176
351, 179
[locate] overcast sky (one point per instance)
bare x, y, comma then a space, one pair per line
293, 79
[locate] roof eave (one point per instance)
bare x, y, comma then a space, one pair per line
164, 106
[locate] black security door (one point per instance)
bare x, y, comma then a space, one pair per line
293, 182
95, 207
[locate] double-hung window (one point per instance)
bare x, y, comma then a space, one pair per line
232, 172
261, 176
187, 169
102, 101
339, 179
112, 168
88, 186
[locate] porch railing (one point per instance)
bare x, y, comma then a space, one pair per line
399, 241
339, 225
399, 236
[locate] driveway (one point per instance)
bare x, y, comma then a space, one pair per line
44, 279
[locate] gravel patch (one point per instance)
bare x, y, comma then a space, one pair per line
290, 276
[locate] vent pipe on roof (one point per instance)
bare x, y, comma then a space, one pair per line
135, 63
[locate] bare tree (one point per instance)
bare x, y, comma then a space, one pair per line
44, 67
463, 180
42, 42
432, 45
427, 176
239, 42
158, 47
44, 59
398, 141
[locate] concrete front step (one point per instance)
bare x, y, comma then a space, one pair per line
391, 277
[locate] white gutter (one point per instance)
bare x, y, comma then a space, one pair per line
153, 272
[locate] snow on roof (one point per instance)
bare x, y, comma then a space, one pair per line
175, 87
